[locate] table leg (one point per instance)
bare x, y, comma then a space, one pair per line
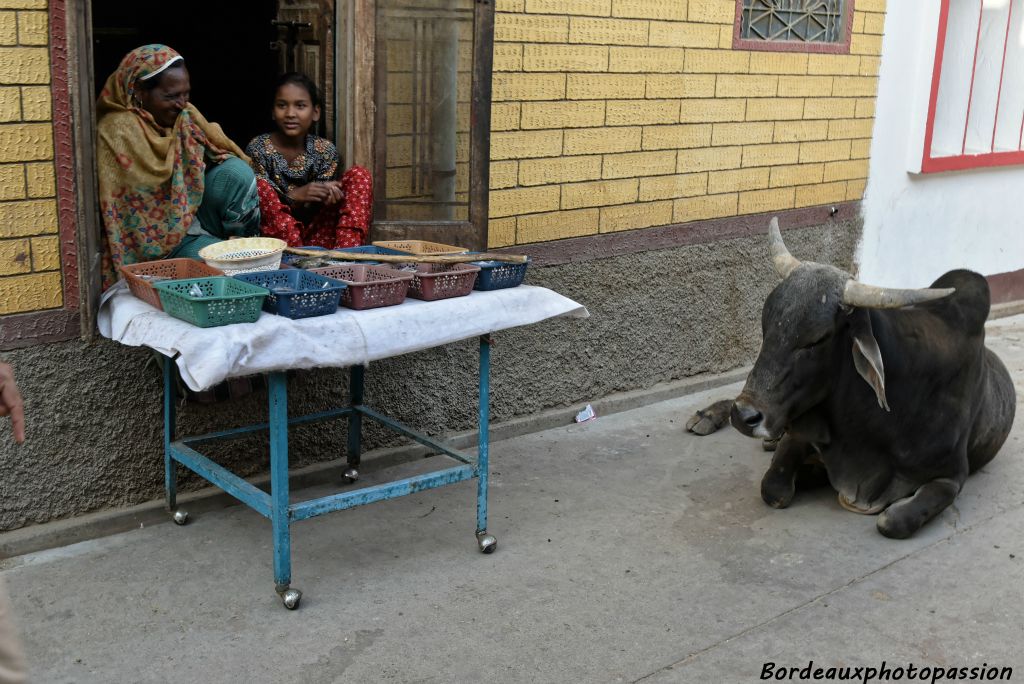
170, 425
355, 424
486, 541
278, 399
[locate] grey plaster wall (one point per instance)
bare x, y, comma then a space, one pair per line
94, 410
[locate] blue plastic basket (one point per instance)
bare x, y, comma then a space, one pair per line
223, 300
295, 293
497, 275
290, 259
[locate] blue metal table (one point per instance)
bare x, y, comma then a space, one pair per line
276, 506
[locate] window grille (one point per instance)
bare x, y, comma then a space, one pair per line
795, 25
812, 21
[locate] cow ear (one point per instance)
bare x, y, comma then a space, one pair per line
867, 357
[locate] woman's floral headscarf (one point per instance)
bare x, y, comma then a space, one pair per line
151, 178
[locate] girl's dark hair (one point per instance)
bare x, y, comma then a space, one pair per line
152, 83
302, 81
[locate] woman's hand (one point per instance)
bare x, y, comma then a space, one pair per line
325, 193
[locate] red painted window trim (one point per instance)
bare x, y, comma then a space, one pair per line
53, 325
840, 48
930, 164
64, 153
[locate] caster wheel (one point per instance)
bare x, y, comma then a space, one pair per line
487, 543
180, 517
350, 475
290, 598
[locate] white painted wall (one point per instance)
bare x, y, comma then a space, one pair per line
918, 226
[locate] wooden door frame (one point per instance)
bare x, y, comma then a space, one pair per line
86, 190
480, 120
354, 80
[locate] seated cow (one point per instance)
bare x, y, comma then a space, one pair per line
893, 391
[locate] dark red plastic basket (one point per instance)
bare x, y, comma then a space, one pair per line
369, 286
442, 281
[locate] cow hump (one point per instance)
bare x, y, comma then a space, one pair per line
967, 308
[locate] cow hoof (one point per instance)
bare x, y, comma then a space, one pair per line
701, 425
709, 419
894, 527
777, 491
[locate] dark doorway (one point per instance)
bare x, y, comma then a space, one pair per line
227, 45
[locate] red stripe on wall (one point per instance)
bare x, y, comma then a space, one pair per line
940, 48
1006, 287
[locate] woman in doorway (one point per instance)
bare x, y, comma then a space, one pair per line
170, 181
302, 201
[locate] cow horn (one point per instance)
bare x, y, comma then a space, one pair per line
784, 261
871, 297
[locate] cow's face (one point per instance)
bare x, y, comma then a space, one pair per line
800, 323
815, 313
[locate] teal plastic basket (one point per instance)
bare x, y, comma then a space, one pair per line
224, 300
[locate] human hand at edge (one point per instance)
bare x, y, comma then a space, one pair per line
11, 403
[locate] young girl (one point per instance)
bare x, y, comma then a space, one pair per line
301, 199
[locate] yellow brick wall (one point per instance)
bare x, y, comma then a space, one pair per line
30, 277
613, 115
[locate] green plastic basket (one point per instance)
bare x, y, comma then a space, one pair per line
224, 301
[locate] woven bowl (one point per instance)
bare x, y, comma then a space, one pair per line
244, 255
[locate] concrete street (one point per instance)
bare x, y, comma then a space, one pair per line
628, 550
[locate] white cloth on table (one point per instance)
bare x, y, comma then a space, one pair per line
206, 356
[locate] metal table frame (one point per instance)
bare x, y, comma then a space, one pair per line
275, 505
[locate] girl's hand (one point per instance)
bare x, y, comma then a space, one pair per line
313, 192
337, 194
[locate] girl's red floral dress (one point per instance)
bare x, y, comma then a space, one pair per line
345, 224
